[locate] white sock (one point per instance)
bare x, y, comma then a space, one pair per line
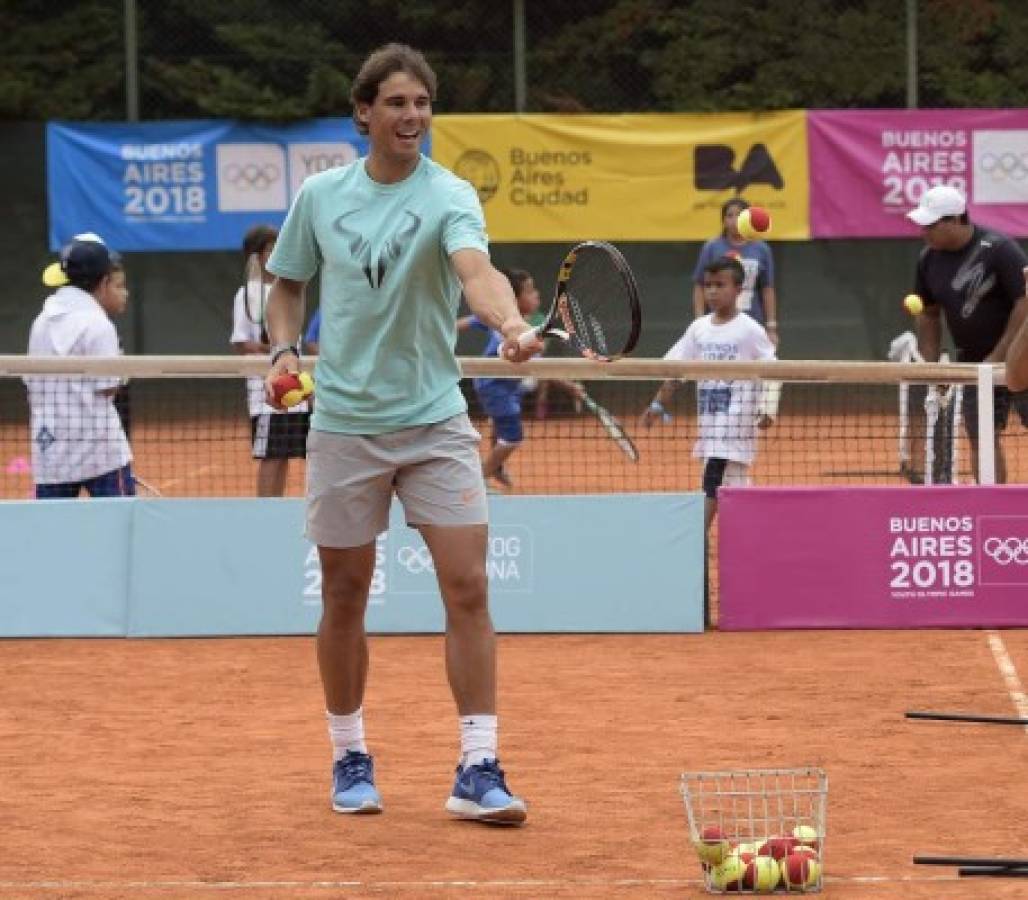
347, 733
477, 739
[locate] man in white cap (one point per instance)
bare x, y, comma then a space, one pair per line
974, 277
78, 441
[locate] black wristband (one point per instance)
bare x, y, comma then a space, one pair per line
278, 350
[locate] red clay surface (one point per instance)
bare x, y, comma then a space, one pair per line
199, 768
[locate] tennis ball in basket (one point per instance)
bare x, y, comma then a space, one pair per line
809, 852
747, 850
806, 835
762, 875
713, 846
800, 872
913, 304
754, 223
728, 875
777, 847
292, 388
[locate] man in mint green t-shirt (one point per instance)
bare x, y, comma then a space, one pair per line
397, 238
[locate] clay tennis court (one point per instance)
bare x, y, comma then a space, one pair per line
194, 768
185, 768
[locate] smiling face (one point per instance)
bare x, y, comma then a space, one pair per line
398, 121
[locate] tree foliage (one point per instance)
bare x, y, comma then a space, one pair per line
270, 59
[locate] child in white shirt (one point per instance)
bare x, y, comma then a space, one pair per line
729, 411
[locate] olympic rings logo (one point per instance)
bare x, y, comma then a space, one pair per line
1008, 165
251, 176
415, 560
1005, 551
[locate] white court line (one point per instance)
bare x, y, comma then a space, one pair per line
531, 883
1009, 673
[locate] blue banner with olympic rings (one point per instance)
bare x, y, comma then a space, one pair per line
186, 185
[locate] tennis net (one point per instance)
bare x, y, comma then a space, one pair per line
188, 423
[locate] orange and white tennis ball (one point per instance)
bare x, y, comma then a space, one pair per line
292, 388
913, 304
754, 223
800, 871
713, 846
761, 875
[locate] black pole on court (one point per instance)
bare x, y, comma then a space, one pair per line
966, 717
990, 862
992, 872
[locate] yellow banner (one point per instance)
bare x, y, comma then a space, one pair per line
660, 177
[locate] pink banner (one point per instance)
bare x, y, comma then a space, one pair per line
896, 557
869, 167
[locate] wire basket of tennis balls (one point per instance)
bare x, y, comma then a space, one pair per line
758, 831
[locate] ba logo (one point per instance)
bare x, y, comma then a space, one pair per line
479, 168
714, 168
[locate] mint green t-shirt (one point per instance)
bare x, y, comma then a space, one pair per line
389, 294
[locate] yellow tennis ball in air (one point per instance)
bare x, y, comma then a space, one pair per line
913, 304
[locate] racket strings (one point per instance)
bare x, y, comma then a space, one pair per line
599, 304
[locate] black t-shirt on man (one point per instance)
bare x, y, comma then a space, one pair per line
976, 286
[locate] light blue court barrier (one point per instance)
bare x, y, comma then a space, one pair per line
611, 563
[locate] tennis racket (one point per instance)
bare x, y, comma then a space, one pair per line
596, 304
255, 292
615, 430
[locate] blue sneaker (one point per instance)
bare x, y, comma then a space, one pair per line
480, 793
353, 784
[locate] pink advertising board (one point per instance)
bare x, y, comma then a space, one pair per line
863, 557
869, 167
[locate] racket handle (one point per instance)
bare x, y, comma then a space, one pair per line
524, 339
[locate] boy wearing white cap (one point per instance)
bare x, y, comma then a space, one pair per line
78, 442
974, 277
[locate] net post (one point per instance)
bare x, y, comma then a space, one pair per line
986, 427
958, 403
931, 406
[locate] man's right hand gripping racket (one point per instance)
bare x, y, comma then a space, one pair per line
596, 304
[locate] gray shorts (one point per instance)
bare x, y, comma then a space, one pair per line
435, 470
